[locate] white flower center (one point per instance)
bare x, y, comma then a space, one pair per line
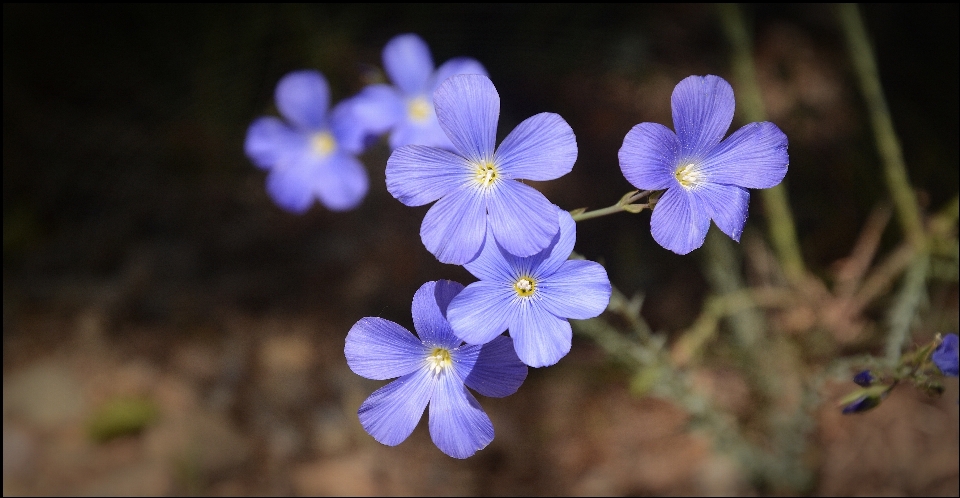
485, 174
439, 360
419, 108
323, 143
525, 286
688, 176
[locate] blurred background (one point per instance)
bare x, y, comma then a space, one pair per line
168, 330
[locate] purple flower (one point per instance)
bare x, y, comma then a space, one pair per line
945, 355
437, 368
311, 155
705, 177
476, 186
406, 109
532, 296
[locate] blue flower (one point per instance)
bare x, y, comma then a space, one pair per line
864, 379
532, 296
705, 177
433, 369
945, 355
406, 109
311, 155
476, 186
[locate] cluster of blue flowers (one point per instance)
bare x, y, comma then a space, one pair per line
442, 127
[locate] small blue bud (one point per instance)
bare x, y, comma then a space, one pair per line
864, 379
861, 404
945, 356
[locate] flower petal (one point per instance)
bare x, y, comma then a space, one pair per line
292, 186
418, 175
303, 98
549, 260
542, 147
702, 112
270, 140
678, 222
492, 264
457, 65
539, 337
454, 228
380, 349
430, 310
407, 60
649, 156
493, 369
481, 311
727, 205
468, 108
523, 220
428, 132
579, 289
378, 108
458, 425
341, 183
391, 413
755, 156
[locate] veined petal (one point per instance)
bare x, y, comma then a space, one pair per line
481, 311
408, 62
458, 425
492, 264
426, 133
702, 112
430, 310
417, 175
292, 187
523, 220
649, 156
454, 228
468, 108
548, 261
579, 289
371, 113
341, 183
380, 349
678, 222
457, 65
542, 147
270, 140
391, 413
493, 369
726, 205
303, 97
755, 156
539, 337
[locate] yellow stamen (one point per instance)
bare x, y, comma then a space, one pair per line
688, 176
419, 109
323, 143
486, 174
525, 286
439, 360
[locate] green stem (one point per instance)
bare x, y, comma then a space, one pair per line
616, 208
783, 231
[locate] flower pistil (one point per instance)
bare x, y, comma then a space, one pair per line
486, 174
323, 143
688, 175
439, 360
525, 286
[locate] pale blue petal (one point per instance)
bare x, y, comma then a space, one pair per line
391, 413
493, 369
579, 289
454, 228
353, 134
542, 147
481, 311
407, 60
649, 156
341, 183
678, 222
458, 425
418, 175
755, 156
468, 108
726, 205
523, 220
380, 349
292, 186
379, 108
702, 112
303, 97
429, 313
457, 65
269, 141
428, 132
539, 337
548, 261
492, 264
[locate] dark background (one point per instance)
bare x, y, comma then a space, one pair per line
138, 236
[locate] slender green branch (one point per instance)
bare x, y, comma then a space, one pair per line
626, 203
888, 145
783, 232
